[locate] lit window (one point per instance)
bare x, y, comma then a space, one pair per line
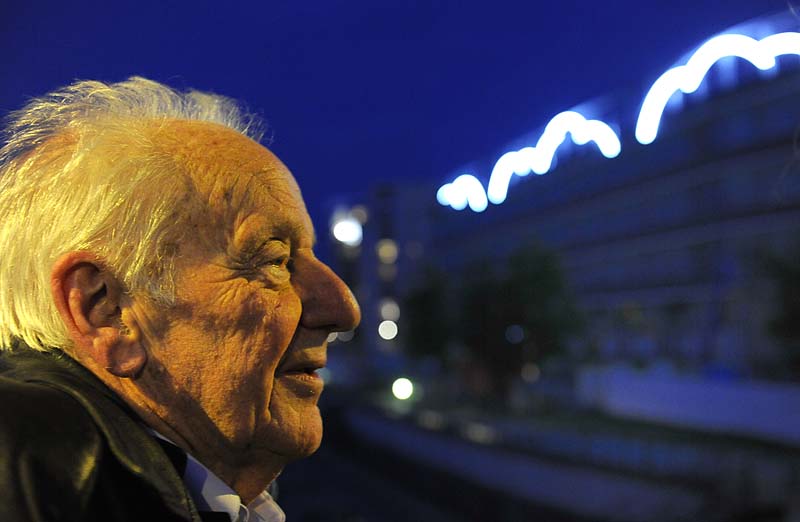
390, 310
387, 251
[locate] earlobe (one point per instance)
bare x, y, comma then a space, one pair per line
89, 299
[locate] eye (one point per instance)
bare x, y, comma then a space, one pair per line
276, 255
269, 258
284, 262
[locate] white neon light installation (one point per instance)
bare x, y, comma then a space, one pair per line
687, 78
539, 159
465, 189
468, 190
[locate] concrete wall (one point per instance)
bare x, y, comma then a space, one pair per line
763, 410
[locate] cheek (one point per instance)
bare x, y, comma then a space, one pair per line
282, 318
261, 319
243, 326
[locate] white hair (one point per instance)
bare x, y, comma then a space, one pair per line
80, 169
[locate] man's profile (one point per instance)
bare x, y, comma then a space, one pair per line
162, 312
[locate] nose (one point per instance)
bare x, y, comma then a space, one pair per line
327, 301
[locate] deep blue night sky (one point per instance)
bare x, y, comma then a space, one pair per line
362, 90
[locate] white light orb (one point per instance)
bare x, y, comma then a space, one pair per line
348, 231
387, 330
402, 389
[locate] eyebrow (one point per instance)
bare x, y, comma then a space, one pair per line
295, 230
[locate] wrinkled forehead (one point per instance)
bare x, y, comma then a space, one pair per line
232, 173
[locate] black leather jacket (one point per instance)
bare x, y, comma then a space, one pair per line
71, 450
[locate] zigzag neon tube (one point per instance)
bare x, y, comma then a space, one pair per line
687, 78
468, 190
465, 189
539, 159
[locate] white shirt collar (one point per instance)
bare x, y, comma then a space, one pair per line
210, 493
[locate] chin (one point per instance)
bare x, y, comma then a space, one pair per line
309, 442
308, 449
296, 440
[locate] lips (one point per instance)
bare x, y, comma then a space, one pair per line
307, 353
310, 371
303, 378
303, 365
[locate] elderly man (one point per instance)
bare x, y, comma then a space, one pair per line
161, 308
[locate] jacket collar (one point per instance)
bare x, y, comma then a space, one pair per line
127, 438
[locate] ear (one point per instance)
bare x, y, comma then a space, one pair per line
89, 299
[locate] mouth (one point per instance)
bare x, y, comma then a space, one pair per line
303, 369
304, 373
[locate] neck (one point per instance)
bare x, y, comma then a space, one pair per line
246, 473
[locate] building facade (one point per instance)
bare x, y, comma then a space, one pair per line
664, 246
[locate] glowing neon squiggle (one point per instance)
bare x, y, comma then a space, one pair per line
463, 190
687, 78
539, 159
467, 189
